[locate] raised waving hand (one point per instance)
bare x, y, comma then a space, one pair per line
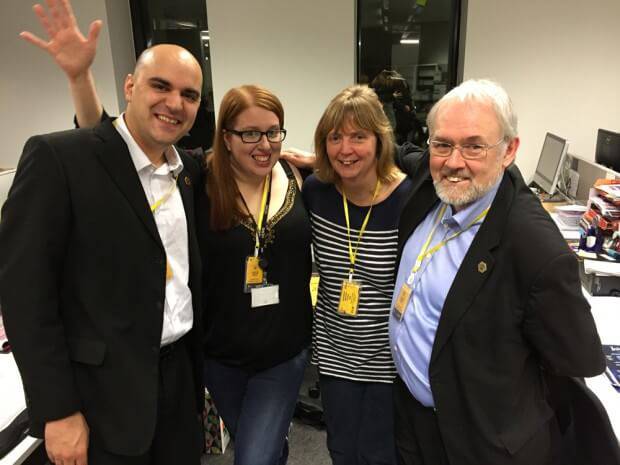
73, 53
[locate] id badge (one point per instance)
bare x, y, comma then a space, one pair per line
169, 273
254, 275
349, 298
314, 288
400, 306
265, 295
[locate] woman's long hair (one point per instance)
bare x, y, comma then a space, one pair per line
221, 186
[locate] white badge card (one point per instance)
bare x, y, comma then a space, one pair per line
265, 295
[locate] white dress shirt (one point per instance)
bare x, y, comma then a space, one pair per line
172, 227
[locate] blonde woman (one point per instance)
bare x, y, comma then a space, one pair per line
354, 200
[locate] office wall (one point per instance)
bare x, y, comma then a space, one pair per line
304, 51
33, 93
558, 59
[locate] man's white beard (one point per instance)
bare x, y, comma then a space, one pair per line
459, 197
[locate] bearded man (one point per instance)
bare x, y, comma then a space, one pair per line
487, 298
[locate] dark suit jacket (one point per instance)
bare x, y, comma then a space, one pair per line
82, 285
515, 306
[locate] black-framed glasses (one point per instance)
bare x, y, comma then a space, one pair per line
252, 136
439, 148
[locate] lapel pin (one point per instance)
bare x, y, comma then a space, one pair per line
188, 181
482, 267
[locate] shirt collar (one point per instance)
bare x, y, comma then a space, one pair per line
466, 216
139, 158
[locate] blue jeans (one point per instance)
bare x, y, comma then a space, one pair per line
360, 421
257, 408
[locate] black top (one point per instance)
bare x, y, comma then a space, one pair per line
257, 338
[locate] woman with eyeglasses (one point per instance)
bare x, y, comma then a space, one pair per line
254, 235
256, 249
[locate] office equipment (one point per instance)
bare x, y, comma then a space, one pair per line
608, 149
587, 173
550, 163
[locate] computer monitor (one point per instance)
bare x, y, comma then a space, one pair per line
608, 149
550, 163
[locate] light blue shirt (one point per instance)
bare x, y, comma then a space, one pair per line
411, 340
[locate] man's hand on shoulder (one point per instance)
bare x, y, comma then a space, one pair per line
299, 158
66, 440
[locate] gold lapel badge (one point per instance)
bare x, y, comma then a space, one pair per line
482, 267
188, 181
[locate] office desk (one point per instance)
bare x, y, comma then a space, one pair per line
22, 452
12, 395
606, 313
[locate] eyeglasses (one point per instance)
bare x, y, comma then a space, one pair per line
443, 149
253, 136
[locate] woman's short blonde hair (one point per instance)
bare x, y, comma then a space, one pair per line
359, 107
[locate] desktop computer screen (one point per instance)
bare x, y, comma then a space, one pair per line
608, 149
550, 163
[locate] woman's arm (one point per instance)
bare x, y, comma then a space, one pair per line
73, 53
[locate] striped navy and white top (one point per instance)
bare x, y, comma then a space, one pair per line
354, 348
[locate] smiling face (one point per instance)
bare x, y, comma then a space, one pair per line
352, 154
162, 96
459, 182
253, 159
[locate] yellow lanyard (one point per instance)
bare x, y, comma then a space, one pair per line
353, 252
425, 253
166, 196
261, 214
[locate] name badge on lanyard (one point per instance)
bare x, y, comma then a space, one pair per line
155, 206
351, 289
402, 300
349, 297
406, 290
255, 276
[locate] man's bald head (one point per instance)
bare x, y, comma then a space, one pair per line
152, 55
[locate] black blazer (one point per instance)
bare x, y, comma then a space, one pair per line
515, 306
82, 285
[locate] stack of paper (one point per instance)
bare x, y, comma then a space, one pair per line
569, 215
610, 192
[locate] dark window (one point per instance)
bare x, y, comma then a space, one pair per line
182, 22
408, 52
